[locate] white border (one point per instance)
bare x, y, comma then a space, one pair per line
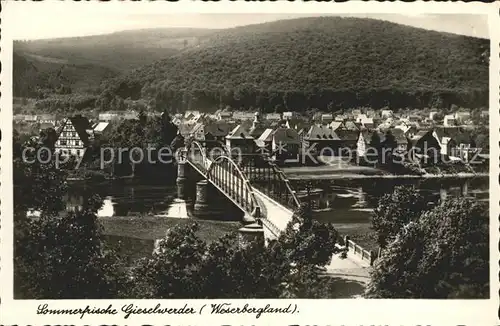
320, 312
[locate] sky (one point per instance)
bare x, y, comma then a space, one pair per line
52, 19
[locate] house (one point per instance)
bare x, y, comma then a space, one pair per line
432, 114
386, 114
190, 114
425, 143
47, 118
108, 116
273, 117
365, 121
184, 129
288, 115
117, 115
393, 139
285, 144
348, 138
363, 143
265, 141
449, 120
258, 126
326, 118
239, 140
414, 119
351, 125
356, 112
30, 118
323, 139
212, 134
453, 140
401, 139
101, 128
408, 130
98, 130
176, 121
46, 125
243, 115
335, 125
223, 115
73, 136
196, 118
296, 124
462, 116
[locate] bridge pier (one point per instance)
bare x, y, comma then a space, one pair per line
181, 180
361, 203
249, 219
250, 233
203, 206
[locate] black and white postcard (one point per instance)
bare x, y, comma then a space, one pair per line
244, 163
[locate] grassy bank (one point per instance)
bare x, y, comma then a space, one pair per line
133, 237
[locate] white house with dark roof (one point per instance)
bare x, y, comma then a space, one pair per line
240, 140
73, 136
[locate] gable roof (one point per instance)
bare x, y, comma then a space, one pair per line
217, 129
457, 134
239, 132
81, 125
336, 124
351, 125
321, 133
101, 126
266, 135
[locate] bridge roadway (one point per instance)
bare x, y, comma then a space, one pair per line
225, 175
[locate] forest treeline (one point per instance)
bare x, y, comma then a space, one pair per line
327, 63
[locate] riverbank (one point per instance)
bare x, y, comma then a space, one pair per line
133, 236
306, 174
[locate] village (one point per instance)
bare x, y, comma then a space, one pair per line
296, 140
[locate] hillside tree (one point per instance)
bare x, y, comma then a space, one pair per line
444, 253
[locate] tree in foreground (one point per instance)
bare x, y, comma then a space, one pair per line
62, 256
442, 254
187, 267
57, 255
395, 210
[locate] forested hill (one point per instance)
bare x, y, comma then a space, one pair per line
36, 75
119, 51
326, 62
80, 64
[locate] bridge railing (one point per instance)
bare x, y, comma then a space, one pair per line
226, 174
267, 177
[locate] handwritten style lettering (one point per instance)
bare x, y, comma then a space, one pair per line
130, 309
43, 309
228, 308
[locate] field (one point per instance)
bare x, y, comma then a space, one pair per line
133, 237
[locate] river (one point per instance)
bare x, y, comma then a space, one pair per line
138, 212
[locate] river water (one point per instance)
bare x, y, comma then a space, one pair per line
145, 206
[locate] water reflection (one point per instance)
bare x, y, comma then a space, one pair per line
333, 201
123, 199
353, 200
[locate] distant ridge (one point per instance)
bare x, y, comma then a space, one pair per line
323, 62
295, 64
